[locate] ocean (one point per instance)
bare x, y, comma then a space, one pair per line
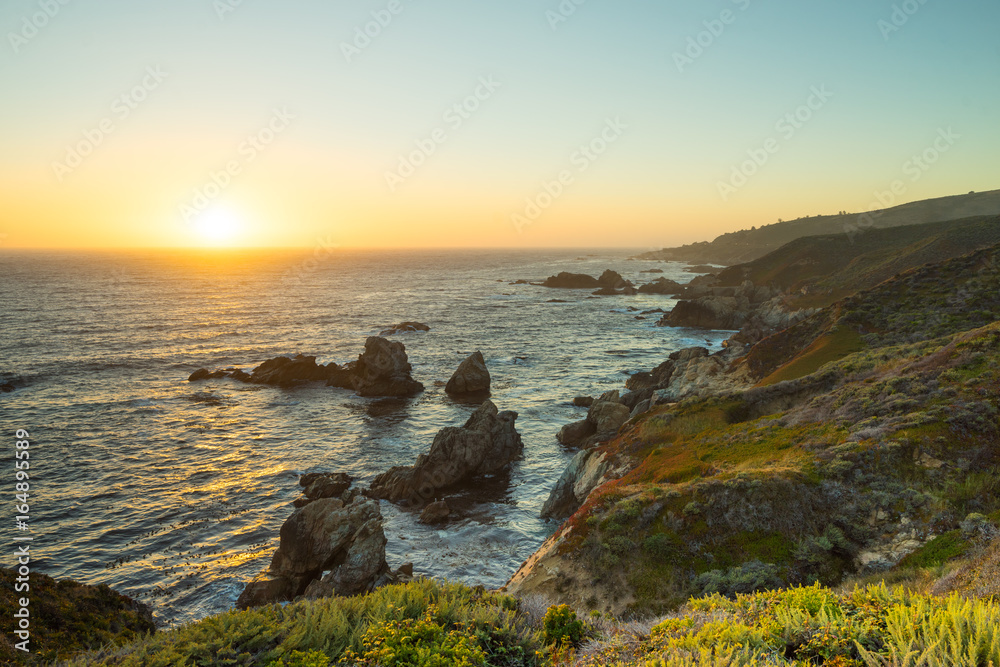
173, 492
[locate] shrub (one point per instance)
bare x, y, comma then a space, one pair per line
742, 579
561, 626
419, 642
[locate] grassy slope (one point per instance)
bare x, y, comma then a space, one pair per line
840, 265
748, 245
67, 617
788, 482
923, 303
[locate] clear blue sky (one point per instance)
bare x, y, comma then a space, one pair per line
657, 184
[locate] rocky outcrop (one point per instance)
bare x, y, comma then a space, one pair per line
725, 308
384, 370
471, 377
277, 372
405, 327
571, 281
710, 312
344, 540
609, 282
606, 415
585, 472
663, 286
487, 443
288, 372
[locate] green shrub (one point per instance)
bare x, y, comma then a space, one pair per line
561, 626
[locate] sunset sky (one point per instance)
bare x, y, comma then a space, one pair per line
266, 123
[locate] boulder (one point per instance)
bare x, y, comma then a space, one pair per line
608, 416
585, 472
652, 271
435, 513
318, 486
405, 327
487, 443
572, 281
583, 401
574, 434
383, 370
471, 377
607, 291
347, 541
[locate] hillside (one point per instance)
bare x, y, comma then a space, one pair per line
840, 265
750, 244
871, 444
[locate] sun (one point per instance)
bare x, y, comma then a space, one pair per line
219, 226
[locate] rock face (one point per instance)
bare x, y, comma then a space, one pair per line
606, 415
710, 312
588, 470
471, 377
384, 370
346, 541
405, 327
487, 443
572, 281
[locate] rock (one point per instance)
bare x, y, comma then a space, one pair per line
241, 376
574, 434
347, 541
703, 268
727, 313
607, 291
288, 372
266, 589
435, 513
200, 374
583, 401
652, 271
572, 281
325, 485
613, 280
487, 443
405, 327
405, 570
663, 286
688, 353
383, 370
472, 376
556, 301
607, 416
641, 407
585, 472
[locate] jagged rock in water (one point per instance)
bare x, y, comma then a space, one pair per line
487, 443
384, 370
325, 535
471, 377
